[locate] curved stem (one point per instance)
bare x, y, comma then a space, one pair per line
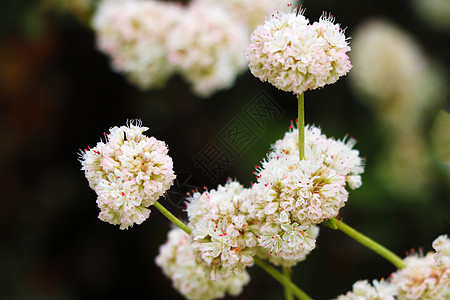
287, 291
366, 241
277, 275
172, 218
301, 126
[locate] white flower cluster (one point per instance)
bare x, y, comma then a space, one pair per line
291, 196
295, 56
389, 65
363, 290
223, 240
133, 34
150, 40
129, 172
206, 47
338, 155
442, 247
424, 277
309, 191
393, 75
177, 262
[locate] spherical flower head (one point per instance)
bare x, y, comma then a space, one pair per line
295, 56
129, 172
222, 237
178, 262
363, 290
442, 247
132, 33
206, 47
422, 279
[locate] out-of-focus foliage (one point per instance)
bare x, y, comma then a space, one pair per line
440, 139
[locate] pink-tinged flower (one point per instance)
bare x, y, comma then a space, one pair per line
133, 34
129, 172
363, 290
422, 279
178, 262
338, 155
442, 247
206, 47
295, 56
222, 237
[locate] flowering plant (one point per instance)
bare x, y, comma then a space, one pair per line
301, 184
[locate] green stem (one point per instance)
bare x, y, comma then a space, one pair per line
366, 241
301, 126
287, 291
172, 218
277, 275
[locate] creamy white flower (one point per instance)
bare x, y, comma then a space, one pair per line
363, 290
442, 247
338, 155
222, 237
310, 191
288, 244
133, 34
291, 196
397, 72
129, 172
422, 279
404, 88
188, 277
206, 47
295, 56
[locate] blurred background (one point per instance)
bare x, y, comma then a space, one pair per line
58, 94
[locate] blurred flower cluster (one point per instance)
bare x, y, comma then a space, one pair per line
149, 41
274, 219
425, 277
403, 87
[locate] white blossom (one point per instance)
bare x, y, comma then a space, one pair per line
442, 247
338, 155
129, 172
206, 47
288, 244
310, 191
133, 34
223, 240
398, 71
291, 196
295, 56
363, 290
178, 262
422, 279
